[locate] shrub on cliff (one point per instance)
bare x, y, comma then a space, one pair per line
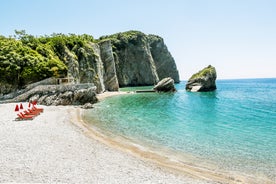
26, 59
21, 62
122, 39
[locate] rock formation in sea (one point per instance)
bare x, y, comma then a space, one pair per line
203, 81
165, 85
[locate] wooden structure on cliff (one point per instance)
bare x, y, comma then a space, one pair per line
67, 80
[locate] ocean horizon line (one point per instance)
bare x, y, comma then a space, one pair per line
224, 79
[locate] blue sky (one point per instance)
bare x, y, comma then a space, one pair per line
238, 37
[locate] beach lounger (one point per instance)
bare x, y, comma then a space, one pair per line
32, 113
27, 115
23, 117
37, 109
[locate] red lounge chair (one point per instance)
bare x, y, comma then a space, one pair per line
37, 109
32, 113
24, 117
28, 115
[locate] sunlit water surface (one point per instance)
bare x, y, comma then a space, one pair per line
234, 127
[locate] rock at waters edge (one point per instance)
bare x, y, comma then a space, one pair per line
165, 85
203, 81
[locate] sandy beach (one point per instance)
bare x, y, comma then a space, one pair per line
55, 148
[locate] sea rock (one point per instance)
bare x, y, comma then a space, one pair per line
165, 85
203, 81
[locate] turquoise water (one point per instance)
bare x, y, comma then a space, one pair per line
233, 128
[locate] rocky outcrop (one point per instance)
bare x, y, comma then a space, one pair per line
71, 94
85, 65
48, 81
203, 81
164, 62
165, 85
125, 59
110, 77
134, 63
141, 59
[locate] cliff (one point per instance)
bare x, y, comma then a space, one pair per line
110, 76
141, 59
164, 62
124, 59
203, 81
85, 65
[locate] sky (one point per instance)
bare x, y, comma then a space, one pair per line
237, 37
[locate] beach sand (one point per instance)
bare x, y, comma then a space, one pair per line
56, 148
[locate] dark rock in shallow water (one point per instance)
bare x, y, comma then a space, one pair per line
165, 85
203, 81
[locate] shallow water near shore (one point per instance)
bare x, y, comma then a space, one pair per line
233, 128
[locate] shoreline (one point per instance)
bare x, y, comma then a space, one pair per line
168, 163
56, 148
172, 165
59, 146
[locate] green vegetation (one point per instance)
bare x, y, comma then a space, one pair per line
26, 59
209, 70
121, 40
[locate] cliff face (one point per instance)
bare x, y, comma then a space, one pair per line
85, 65
124, 59
134, 63
141, 59
164, 62
110, 77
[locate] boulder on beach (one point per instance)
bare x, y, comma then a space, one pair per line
203, 81
165, 85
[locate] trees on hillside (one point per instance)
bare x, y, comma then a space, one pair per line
25, 59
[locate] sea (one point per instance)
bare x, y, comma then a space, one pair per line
232, 129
